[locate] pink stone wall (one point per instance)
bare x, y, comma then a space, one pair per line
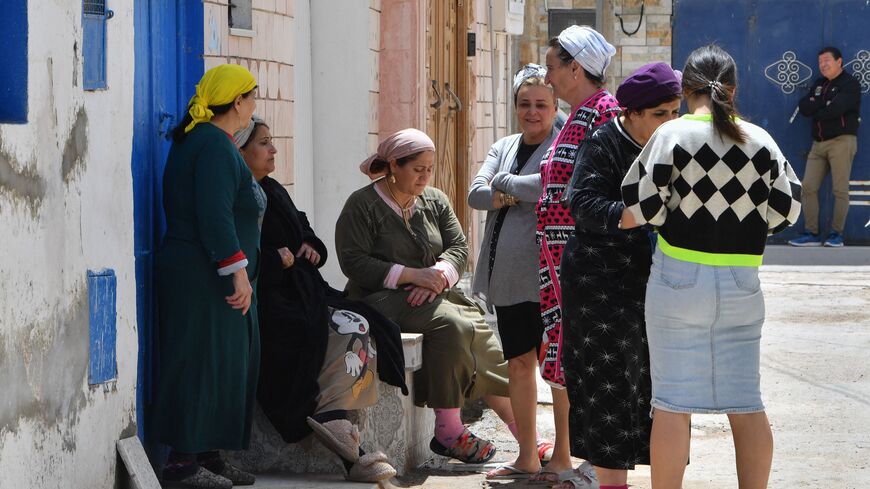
401, 60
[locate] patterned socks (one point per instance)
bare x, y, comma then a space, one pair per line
448, 426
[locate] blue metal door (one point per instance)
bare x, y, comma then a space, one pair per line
168, 63
775, 44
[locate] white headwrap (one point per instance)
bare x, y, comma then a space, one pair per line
587, 47
530, 70
242, 135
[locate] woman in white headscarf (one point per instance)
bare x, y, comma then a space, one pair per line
576, 63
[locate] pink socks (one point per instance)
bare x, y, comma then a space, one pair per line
448, 426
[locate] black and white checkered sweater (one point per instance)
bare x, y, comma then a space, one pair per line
710, 194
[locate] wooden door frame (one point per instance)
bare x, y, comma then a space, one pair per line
463, 71
463, 88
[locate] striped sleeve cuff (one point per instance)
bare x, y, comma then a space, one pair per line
230, 265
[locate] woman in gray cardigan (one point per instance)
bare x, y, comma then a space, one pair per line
507, 187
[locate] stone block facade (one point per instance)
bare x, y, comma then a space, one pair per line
651, 42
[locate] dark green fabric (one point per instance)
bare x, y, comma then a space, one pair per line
209, 353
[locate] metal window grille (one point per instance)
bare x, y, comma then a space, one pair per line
559, 19
94, 7
240, 14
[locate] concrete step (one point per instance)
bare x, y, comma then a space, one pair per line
817, 255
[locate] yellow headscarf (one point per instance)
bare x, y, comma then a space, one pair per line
218, 86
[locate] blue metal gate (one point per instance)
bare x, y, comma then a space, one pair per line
775, 44
168, 52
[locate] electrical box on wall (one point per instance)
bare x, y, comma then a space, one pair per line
508, 15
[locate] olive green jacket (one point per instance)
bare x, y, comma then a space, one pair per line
370, 237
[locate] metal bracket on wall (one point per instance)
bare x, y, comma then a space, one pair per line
639, 20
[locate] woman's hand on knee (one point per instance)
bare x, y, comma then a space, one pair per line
429, 278
418, 295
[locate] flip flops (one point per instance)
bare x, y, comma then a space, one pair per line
371, 467
468, 448
583, 477
545, 476
512, 473
340, 436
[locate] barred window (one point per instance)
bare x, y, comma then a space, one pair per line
94, 17
240, 14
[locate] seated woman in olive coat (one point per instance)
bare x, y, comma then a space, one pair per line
402, 249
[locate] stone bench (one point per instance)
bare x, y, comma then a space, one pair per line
394, 426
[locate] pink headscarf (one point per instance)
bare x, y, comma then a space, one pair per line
399, 145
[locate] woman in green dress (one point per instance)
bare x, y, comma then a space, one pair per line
402, 249
209, 348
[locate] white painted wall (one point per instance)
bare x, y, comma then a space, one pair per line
55, 430
340, 70
303, 132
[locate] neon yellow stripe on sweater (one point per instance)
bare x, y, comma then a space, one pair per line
704, 258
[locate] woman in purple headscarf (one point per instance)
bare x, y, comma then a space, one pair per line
605, 267
402, 249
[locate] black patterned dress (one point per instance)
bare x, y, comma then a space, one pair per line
604, 276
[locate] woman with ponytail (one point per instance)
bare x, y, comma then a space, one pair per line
209, 344
715, 186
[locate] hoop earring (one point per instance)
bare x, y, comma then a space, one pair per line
392, 178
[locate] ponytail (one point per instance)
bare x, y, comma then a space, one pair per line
711, 71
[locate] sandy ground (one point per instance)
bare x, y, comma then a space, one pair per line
815, 381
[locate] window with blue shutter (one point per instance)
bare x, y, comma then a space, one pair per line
102, 298
94, 17
13, 59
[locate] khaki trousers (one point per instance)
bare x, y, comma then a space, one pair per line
835, 154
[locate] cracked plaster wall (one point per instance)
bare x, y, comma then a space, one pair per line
65, 207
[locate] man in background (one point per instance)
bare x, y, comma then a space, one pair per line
833, 103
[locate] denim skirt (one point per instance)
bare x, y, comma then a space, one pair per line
704, 329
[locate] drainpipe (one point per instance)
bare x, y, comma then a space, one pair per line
493, 71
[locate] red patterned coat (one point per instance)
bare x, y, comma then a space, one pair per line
555, 224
